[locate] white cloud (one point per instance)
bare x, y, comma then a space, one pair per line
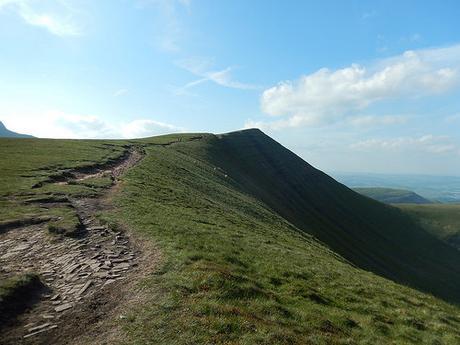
356, 121
377, 120
427, 143
58, 20
120, 92
57, 124
147, 128
202, 69
328, 96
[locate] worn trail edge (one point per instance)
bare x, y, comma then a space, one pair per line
83, 278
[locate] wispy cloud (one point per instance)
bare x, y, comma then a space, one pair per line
369, 14
202, 68
427, 143
169, 27
452, 118
58, 124
377, 120
58, 20
411, 38
120, 92
328, 96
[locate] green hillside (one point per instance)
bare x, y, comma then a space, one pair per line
392, 196
441, 220
232, 216
27, 163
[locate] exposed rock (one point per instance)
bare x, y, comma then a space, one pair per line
63, 307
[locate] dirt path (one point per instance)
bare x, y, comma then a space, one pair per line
83, 276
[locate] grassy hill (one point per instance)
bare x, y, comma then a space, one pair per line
237, 273
372, 236
392, 196
233, 216
441, 220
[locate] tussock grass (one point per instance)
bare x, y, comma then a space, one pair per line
16, 294
66, 221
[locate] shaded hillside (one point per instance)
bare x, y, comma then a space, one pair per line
371, 235
441, 220
392, 196
6, 133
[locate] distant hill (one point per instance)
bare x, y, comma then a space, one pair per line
441, 220
445, 189
6, 133
393, 196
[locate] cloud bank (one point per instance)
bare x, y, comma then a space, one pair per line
327, 96
56, 124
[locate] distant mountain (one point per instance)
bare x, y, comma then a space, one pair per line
441, 220
445, 189
6, 133
393, 196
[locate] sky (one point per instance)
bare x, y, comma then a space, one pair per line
350, 86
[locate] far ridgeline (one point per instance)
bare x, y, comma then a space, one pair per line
393, 196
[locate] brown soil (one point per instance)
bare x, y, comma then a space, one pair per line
90, 279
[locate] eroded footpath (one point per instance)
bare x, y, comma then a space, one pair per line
74, 271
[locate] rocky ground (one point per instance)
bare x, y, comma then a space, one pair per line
74, 270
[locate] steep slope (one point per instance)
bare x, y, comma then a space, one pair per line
371, 235
441, 220
392, 196
6, 133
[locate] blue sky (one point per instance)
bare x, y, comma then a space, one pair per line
348, 85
